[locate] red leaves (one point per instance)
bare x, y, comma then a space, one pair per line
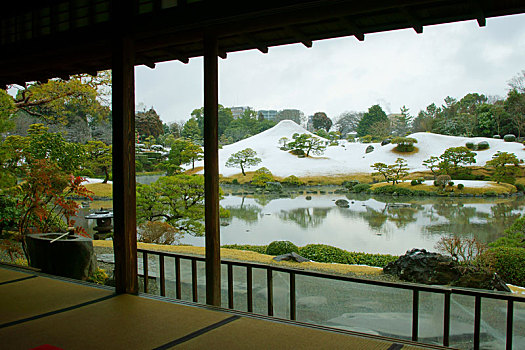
48, 197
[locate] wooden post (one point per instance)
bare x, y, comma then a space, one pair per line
123, 108
211, 171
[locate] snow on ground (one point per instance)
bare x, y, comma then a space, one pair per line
466, 183
90, 180
349, 157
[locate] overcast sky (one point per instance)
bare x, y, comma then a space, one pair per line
391, 69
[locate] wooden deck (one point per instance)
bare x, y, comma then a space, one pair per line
37, 309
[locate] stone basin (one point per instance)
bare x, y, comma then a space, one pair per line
70, 256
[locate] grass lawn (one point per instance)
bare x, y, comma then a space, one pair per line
244, 255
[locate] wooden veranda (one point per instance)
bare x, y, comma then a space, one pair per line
43, 39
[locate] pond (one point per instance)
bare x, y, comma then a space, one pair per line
372, 224
388, 225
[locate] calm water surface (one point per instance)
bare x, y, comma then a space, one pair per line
371, 224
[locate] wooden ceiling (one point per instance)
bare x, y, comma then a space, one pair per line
41, 39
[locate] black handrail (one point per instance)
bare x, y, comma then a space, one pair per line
415, 288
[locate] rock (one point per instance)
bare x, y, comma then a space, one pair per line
420, 266
369, 149
385, 142
342, 203
291, 257
308, 198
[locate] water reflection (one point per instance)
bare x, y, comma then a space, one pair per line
305, 217
372, 224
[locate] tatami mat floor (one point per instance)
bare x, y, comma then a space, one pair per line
36, 310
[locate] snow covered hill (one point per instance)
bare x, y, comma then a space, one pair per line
349, 157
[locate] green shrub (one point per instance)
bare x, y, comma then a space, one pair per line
404, 144
349, 185
514, 236
281, 247
470, 145
327, 254
360, 188
261, 177
366, 139
391, 189
235, 182
261, 249
520, 187
297, 152
483, 145
509, 138
377, 260
99, 277
508, 263
451, 183
414, 183
292, 180
490, 194
496, 137
461, 186
420, 180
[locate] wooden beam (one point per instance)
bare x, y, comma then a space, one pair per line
412, 20
358, 33
124, 204
299, 35
253, 41
211, 171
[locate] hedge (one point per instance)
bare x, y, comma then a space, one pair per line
326, 254
509, 264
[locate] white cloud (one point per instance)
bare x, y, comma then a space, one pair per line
393, 68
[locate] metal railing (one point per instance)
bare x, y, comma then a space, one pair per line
415, 288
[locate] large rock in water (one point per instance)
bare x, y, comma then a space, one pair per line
420, 266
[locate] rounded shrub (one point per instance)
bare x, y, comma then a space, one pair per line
519, 187
326, 253
470, 145
509, 138
297, 152
483, 145
508, 263
360, 188
461, 186
292, 180
281, 247
451, 183
414, 183
420, 180
261, 177
496, 137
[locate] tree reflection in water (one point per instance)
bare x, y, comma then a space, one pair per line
305, 217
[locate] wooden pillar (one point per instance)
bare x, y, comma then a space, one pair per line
211, 171
123, 109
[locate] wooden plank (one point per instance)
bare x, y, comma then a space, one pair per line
124, 207
211, 171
